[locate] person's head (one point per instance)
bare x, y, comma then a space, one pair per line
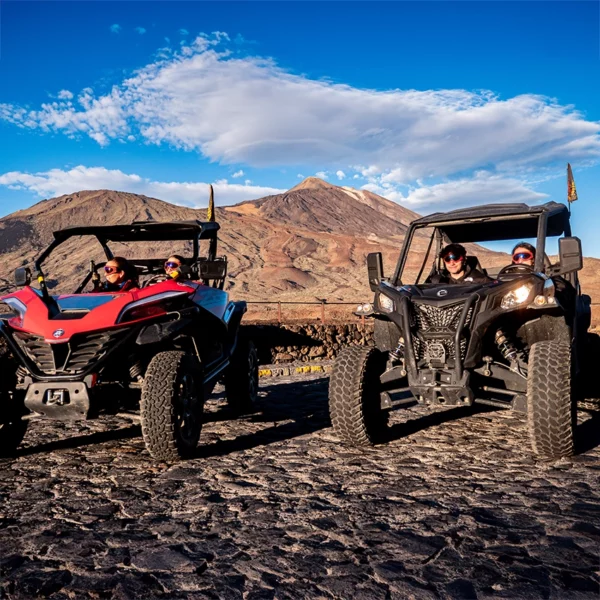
173, 263
116, 270
523, 254
454, 257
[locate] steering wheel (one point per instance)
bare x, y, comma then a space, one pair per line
516, 269
155, 279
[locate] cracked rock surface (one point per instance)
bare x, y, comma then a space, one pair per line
273, 506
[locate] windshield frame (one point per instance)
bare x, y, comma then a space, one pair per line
441, 236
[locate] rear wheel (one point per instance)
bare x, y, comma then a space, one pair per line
551, 407
171, 406
354, 396
12, 426
241, 377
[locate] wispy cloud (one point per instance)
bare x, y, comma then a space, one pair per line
140, 30
57, 182
482, 188
65, 95
115, 28
340, 175
250, 111
184, 32
237, 174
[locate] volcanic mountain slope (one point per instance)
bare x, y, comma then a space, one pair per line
306, 244
310, 242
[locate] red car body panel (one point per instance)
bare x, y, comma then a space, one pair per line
105, 316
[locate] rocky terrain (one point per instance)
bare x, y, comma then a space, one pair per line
273, 506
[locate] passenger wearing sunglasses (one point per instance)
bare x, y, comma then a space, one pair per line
456, 269
120, 276
174, 267
523, 254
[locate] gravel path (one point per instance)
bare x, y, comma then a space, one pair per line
274, 507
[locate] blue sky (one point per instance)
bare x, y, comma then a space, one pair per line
433, 105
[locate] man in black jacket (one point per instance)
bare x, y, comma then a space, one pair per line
456, 268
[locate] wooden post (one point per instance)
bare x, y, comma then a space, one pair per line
279, 312
323, 311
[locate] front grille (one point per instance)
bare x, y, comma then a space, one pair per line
72, 357
435, 327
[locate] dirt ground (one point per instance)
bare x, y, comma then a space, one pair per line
273, 506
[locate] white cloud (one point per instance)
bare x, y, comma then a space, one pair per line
57, 182
65, 95
321, 174
248, 181
300, 176
115, 28
184, 32
237, 174
247, 110
482, 188
140, 30
340, 175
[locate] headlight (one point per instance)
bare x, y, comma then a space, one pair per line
364, 309
517, 296
386, 304
18, 307
150, 307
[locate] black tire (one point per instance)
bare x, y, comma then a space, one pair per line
171, 406
241, 378
354, 396
385, 335
12, 426
551, 407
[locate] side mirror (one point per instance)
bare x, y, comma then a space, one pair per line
375, 269
22, 276
570, 255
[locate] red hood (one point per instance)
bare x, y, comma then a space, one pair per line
101, 317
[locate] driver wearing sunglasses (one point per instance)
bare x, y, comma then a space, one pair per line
120, 276
523, 254
456, 269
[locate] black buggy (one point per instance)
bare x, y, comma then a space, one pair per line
518, 341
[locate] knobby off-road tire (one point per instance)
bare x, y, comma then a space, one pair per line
551, 408
354, 396
171, 406
12, 427
241, 378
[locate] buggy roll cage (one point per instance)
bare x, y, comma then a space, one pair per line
484, 224
138, 231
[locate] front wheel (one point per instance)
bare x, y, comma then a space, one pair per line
354, 396
12, 426
551, 407
171, 406
241, 377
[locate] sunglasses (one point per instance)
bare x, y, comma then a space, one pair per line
111, 270
171, 265
523, 256
452, 258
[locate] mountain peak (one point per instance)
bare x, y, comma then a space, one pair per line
314, 183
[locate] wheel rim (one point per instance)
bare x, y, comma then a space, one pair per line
187, 415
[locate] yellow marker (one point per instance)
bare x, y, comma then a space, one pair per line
210, 213
40, 278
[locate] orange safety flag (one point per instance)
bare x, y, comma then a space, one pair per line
571, 189
210, 213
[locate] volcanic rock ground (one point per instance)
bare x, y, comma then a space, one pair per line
273, 506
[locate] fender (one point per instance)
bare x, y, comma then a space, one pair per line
159, 332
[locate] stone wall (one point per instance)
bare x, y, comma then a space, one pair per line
284, 343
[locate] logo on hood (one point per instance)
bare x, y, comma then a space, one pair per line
442, 293
58, 333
